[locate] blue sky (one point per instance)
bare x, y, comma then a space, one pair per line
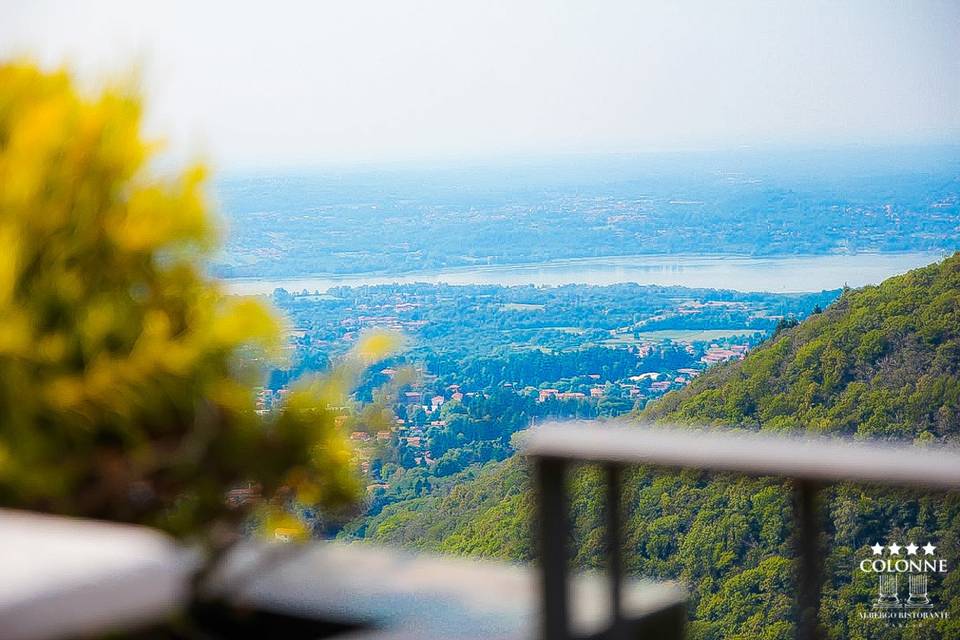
284, 83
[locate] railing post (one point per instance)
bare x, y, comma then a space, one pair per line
810, 575
552, 501
614, 550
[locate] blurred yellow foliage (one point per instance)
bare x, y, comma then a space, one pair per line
125, 373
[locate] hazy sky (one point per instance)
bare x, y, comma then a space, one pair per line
275, 82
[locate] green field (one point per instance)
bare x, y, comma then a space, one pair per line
685, 335
520, 306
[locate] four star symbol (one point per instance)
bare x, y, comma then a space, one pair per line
895, 548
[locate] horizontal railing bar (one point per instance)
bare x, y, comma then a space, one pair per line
819, 459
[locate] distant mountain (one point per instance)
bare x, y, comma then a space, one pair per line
881, 362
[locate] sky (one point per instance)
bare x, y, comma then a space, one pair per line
280, 83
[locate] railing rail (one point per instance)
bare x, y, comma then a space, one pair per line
808, 463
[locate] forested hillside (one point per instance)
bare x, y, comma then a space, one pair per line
882, 362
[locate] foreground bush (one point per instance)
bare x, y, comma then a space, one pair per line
125, 373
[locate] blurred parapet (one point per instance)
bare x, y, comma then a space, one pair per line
69, 578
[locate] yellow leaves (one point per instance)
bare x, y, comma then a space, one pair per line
64, 393
98, 321
156, 325
15, 333
34, 141
229, 394
375, 418
279, 525
139, 229
52, 347
116, 346
377, 345
245, 320
371, 347
114, 131
9, 261
160, 215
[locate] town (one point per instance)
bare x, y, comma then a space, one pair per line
483, 362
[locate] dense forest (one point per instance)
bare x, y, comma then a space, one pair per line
882, 362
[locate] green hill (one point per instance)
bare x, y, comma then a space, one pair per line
882, 362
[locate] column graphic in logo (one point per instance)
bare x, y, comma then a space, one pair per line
918, 592
888, 599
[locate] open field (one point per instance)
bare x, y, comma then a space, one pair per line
683, 335
519, 306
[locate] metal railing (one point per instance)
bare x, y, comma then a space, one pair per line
808, 463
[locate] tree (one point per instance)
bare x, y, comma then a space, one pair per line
126, 371
785, 323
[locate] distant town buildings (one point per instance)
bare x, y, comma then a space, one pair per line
717, 354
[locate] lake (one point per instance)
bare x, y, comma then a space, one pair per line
783, 274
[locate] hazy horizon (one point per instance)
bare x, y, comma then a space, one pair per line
324, 84
842, 159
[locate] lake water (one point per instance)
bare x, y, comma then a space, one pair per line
773, 274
